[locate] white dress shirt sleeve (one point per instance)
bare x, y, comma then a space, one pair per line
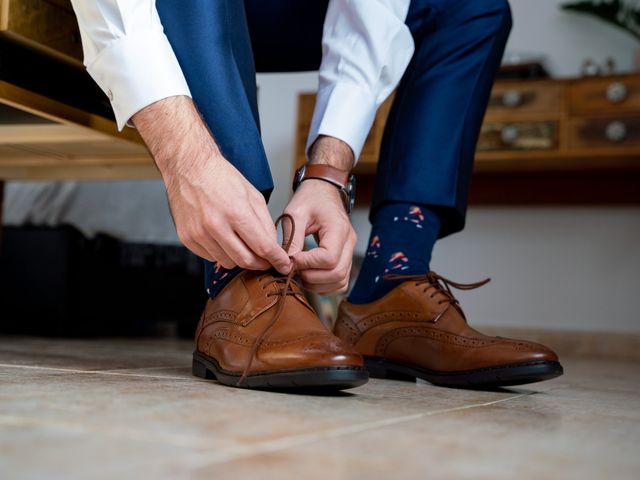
128, 55
366, 48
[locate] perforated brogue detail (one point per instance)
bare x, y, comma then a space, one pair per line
219, 316
346, 329
294, 340
431, 334
387, 317
231, 334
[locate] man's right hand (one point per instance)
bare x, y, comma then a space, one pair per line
218, 214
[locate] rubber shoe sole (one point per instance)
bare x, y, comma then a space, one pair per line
316, 379
492, 377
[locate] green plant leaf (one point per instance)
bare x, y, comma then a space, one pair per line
624, 15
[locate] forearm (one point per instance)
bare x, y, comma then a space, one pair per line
176, 135
331, 151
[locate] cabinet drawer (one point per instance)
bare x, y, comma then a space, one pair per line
526, 97
614, 131
605, 94
496, 136
45, 24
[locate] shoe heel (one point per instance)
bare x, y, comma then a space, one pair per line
199, 369
377, 369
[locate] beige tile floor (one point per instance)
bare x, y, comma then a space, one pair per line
93, 409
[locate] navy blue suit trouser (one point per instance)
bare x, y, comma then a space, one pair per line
429, 140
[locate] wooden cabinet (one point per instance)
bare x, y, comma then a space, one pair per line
526, 97
539, 125
610, 132
518, 135
608, 94
523, 118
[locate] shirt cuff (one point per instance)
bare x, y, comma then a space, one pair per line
344, 111
136, 71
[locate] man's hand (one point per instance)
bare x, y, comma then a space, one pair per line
318, 209
218, 214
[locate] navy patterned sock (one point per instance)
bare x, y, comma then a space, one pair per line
401, 242
217, 277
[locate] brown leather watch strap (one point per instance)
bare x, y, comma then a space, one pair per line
334, 175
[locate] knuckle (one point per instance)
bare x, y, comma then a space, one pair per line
253, 263
255, 195
237, 210
211, 224
335, 276
246, 261
228, 264
263, 250
344, 273
260, 251
293, 210
198, 232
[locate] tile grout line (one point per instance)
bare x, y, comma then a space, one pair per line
237, 452
100, 429
234, 452
167, 367
240, 451
197, 442
98, 372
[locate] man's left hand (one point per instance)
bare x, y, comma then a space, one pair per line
318, 210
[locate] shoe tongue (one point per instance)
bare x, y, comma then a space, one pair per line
439, 294
448, 316
452, 320
277, 286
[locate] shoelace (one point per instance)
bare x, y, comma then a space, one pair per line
439, 285
284, 282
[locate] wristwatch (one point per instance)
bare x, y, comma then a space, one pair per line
342, 179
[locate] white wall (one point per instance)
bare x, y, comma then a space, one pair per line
567, 38
574, 268
552, 267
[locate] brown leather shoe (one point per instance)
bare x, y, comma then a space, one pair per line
419, 330
260, 332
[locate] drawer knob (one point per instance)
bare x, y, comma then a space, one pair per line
616, 92
509, 134
512, 98
616, 131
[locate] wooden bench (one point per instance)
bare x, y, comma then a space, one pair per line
55, 123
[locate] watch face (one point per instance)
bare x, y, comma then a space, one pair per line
351, 192
300, 172
298, 177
